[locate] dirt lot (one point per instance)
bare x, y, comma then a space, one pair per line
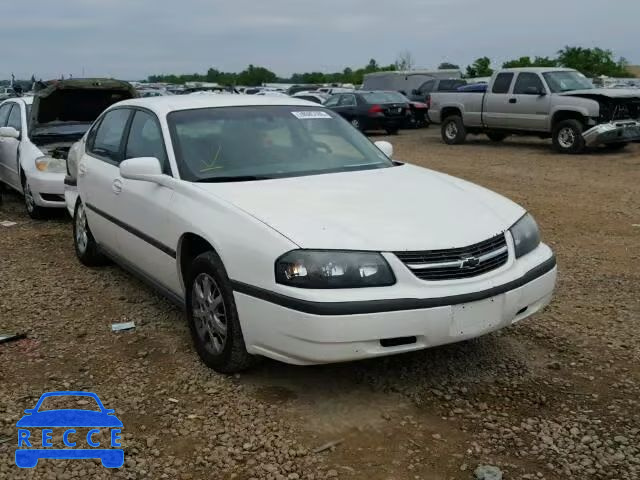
556, 397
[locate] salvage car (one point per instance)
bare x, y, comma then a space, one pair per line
560, 103
269, 221
371, 110
37, 132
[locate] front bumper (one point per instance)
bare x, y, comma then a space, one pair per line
310, 333
613, 132
47, 188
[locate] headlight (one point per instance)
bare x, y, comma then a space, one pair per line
526, 236
50, 164
333, 269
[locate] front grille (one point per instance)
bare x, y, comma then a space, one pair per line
455, 263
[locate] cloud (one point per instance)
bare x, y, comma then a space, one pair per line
132, 39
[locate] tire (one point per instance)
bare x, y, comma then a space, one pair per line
85, 245
213, 317
34, 211
567, 137
392, 131
614, 147
496, 136
453, 131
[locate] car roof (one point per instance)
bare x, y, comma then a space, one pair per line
537, 69
166, 104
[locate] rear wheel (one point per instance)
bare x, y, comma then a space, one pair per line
567, 137
355, 123
453, 131
85, 245
496, 136
213, 317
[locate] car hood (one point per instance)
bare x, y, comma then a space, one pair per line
392, 209
68, 107
69, 418
604, 92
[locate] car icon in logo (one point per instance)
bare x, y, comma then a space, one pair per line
32, 447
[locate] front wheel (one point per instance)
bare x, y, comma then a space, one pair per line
36, 212
453, 131
567, 137
213, 317
357, 124
85, 245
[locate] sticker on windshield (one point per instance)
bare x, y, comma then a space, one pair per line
310, 114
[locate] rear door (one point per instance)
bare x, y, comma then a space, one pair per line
142, 208
497, 110
529, 103
99, 181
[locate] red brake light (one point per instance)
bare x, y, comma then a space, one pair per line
375, 109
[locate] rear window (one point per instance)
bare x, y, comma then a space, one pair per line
450, 85
502, 83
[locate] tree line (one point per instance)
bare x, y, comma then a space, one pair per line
592, 62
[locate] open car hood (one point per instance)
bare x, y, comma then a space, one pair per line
69, 107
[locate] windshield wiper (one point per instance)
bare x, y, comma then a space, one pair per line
238, 178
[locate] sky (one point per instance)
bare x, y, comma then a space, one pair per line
131, 39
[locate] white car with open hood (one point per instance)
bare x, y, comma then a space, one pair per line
37, 132
286, 233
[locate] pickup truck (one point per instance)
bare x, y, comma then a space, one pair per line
557, 103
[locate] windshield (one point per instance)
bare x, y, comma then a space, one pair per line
262, 142
567, 81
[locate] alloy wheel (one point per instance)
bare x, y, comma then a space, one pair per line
451, 131
209, 313
82, 237
566, 137
29, 201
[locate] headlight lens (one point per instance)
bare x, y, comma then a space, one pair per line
50, 164
526, 235
333, 269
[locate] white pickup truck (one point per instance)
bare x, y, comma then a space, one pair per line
556, 103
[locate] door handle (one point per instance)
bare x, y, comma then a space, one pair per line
116, 186
513, 100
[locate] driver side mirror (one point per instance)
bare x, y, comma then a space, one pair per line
145, 169
9, 132
385, 147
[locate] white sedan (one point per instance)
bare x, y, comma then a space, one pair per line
284, 232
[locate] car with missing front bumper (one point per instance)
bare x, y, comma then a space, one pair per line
284, 232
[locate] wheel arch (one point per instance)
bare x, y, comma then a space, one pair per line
561, 115
447, 112
190, 246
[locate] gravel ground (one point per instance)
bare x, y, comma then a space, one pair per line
556, 397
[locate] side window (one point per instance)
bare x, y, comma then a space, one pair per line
348, 101
145, 139
427, 87
4, 114
15, 118
333, 101
108, 137
528, 84
502, 83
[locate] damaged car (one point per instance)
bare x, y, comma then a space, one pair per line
37, 132
557, 103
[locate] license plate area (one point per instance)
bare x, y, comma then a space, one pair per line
474, 318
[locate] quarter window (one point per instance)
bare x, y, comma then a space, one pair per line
15, 119
145, 139
108, 137
4, 113
502, 83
